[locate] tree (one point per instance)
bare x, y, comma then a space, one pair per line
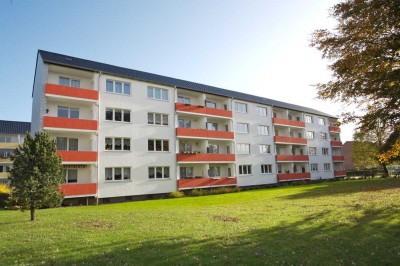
37, 174
364, 55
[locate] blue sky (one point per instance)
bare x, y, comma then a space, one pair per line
257, 47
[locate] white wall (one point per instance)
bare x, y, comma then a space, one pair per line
38, 98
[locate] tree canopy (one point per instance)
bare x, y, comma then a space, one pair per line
37, 174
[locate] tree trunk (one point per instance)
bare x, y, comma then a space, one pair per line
33, 213
385, 171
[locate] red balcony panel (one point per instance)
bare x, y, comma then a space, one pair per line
202, 110
294, 176
338, 158
67, 91
290, 140
206, 182
334, 129
292, 158
69, 123
203, 133
79, 189
78, 156
336, 143
340, 173
287, 122
205, 157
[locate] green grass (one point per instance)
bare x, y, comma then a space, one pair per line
334, 223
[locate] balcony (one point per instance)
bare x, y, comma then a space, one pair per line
205, 157
334, 129
78, 157
60, 123
79, 190
340, 173
338, 158
5, 159
180, 107
292, 158
206, 182
290, 140
203, 133
8, 145
4, 175
293, 176
287, 122
71, 92
336, 144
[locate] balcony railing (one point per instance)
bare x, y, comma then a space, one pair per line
287, 122
69, 123
338, 158
4, 174
334, 129
79, 190
78, 156
282, 139
205, 157
8, 145
206, 182
202, 110
336, 144
340, 173
292, 158
203, 133
294, 176
66, 91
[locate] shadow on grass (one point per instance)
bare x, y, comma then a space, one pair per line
370, 237
343, 188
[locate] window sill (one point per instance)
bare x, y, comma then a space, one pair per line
160, 100
159, 179
246, 175
157, 125
112, 121
116, 93
159, 151
117, 150
118, 181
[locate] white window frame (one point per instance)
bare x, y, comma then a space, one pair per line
67, 143
266, 169
123, 111
313, 167
123, 169
265, 149
321, 121
69, 110
243, 148
312, 153
241, 107
263, 130
67, 175
208, 102
261, 111
70, 80
310, 134
183, 99
323, 136
163, 118
327, 167
325, 151
163, 170
113, 141
155, 145
153, 95
245, 169
242, 126
123, 83
308, 119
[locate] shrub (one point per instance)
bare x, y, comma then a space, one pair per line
224, 190
197, 192
176, 194
4, 194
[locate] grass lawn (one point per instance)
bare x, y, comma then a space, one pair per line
333, 223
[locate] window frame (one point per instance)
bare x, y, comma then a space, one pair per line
245, 168
162, 119
266, 169
155, 145
155, 168
113, 174
241, 124
261, 130
261, 148
314, 167
308, 134
239, 110
327, 169
315, 151
239, 149
154, 90
259, 108
325, 151
123, 87
123, 113
70, 80
308, 119
113, 144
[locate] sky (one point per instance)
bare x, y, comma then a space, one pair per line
257, 47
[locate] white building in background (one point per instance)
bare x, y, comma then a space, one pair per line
125, 134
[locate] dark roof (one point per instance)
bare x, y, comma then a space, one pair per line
14, 127
75, 62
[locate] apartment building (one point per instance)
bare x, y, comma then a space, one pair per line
12, 134
125, 134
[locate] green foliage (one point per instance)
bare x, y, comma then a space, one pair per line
197, 192
4, 194
176, 194
223, 190
37, 174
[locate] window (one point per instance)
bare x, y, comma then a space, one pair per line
213, 148
312, 150
211, 126
241, 128
323, 136
117, 144
117, 173
314, 167
185, 147
158, 145
325, 151
67, 112
321, 121
71, 175
118, 115
5, 139
310, 134
158, 172
327, 166
184, 123
261, 111
118, 87
245, 169
184, 100
263, 130
266, 169
64, 144
242, 148
264, 148
157, 119
69, 82
309, 119
211, 104
157, 93
186, 172
214, 171
240, 107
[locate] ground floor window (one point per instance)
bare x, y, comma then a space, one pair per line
158, 172
186, 172
117, 173
214, 171
71, 175
266, 168
245, 169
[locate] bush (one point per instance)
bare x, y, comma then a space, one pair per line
4, 194
176, 194
224, 190
197, 192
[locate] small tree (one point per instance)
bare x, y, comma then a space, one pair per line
37, 174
